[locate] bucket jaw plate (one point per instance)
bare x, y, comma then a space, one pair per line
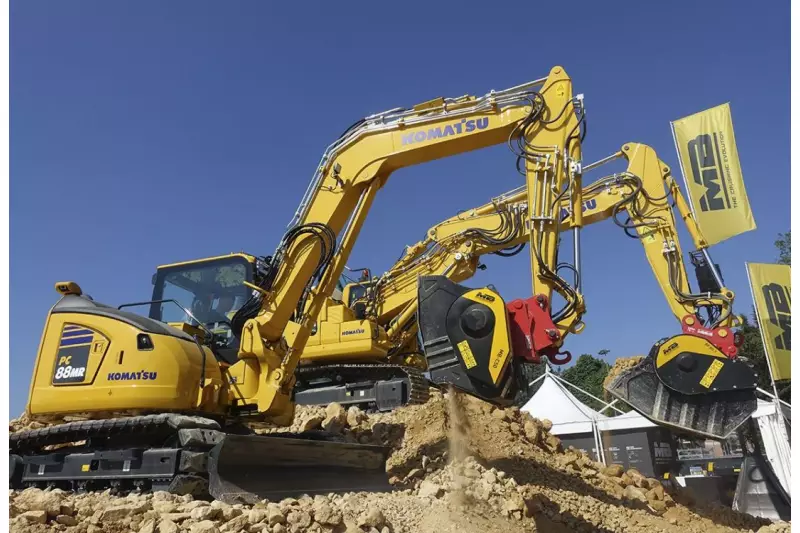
714, 415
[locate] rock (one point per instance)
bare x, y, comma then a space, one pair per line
337, 412
652, 483
553, 443
229, 513
299, 519
483, 490
532, 431
148, 526
372, 518
515, 428
275, 515
514, 503
355, 416
613, 470
163, 507
637, 478
67, 509
386, 529
287, 504
429, 489
312, 422
656, 493
257, 528
625, 480
547, 424
68, 520
489, 477
471, 473
176, 517
36, 517
325, 514
166, 526
236, 524
256, 515
205, 513
659, 507
119, 512
195, 504
499, 414
635, 494
40, 500
206, 526
278, 528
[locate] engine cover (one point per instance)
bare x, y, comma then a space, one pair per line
464, 334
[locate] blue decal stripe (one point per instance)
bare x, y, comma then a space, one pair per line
76, 333
71, 327
76, 340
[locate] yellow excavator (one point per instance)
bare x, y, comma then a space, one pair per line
375, 321
166, 398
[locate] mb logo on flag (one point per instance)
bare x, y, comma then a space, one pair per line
779, 299
706, 163
709, 159
772, 293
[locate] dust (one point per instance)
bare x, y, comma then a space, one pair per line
458, 438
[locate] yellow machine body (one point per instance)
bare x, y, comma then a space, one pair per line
96, 363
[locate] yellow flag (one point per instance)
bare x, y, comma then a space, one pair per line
710, 162
772, 294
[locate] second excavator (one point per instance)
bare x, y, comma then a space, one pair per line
166, 401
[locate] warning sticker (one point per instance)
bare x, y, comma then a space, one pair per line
466, 354
711, 373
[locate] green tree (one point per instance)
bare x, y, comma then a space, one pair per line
588, 373
784, 245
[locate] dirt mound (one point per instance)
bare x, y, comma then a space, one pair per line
458, 465
621, 365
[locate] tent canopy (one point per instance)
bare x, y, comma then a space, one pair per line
569, 415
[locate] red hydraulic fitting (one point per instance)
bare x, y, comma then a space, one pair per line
722, 337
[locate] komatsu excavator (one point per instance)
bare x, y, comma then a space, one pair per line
165, 400
376, 320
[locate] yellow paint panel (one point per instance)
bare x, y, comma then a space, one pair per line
84, 468
711, 373
501, 351
466, 354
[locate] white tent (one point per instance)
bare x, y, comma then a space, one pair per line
554, 402
569, 415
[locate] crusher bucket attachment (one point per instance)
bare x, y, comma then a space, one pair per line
688, 384
249, 468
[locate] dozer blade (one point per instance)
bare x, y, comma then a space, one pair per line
692, 390
249, 468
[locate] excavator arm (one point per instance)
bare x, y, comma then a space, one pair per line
538, 120
692, 381
645, 193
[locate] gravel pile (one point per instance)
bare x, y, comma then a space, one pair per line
458, 465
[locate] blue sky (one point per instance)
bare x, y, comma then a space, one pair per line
145, 133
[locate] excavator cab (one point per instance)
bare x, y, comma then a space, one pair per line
204, 294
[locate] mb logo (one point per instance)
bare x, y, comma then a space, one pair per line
779, 299
704, 156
